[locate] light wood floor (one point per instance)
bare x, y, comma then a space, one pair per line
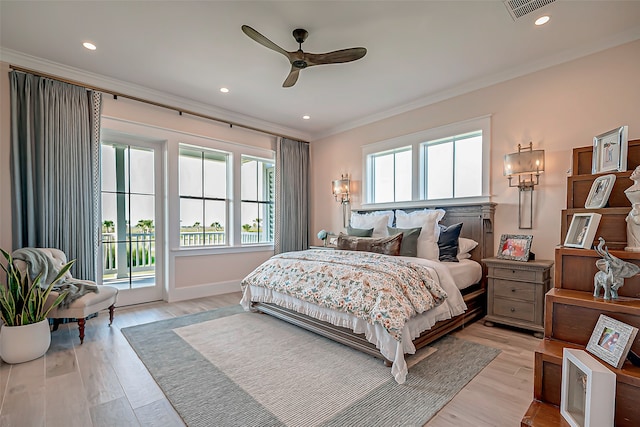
103, 383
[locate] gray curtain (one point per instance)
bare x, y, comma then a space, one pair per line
292, 196
55, 137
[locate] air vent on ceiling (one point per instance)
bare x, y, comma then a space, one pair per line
519, 8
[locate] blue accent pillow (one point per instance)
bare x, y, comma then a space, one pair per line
359, 232
448, 242
409, 240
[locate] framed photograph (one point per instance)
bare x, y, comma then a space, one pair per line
600, 191
611, 340
516, 247
610, 151
588, 391
331, 241
582, 230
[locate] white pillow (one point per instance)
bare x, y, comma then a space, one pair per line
427, 219
464, 247
378, 220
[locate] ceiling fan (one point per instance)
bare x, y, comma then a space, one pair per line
299, 59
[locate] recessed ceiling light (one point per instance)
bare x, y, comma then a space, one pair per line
224, 90
89, 46
306, 117
542, 20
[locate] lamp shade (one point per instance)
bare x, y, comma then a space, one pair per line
524, 162
340, 186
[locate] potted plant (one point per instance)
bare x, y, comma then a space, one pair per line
25, 333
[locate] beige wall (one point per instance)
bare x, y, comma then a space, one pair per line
558, 108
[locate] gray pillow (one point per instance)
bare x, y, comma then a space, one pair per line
409, 240
359, 232
381, 245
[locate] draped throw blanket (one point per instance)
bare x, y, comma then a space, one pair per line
39, 263
377, 288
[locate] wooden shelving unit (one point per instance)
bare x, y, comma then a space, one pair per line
571, 310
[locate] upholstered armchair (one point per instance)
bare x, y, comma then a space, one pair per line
82, 307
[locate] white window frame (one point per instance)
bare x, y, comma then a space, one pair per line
263, 199
171, 140
415, 140
228, 190
371, 169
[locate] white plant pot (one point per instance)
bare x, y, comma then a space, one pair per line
23, 343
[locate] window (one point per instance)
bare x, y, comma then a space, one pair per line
445, 164
390, 175
203, 197
453, 166
258, 190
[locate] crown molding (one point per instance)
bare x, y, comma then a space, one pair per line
532, 67
20, 59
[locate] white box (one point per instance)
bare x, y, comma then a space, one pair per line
588, 390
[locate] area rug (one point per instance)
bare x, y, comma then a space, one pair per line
227, 367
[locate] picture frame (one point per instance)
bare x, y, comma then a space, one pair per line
516, 247
610, 151
600, 191
611, 340
587, 397
331, 241
582, 230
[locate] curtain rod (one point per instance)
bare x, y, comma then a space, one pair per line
146, 101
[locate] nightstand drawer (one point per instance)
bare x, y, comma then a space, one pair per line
517, 290
514, 309
513, 274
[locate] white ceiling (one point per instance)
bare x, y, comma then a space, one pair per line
182, 52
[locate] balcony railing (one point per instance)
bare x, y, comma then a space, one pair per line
140, 255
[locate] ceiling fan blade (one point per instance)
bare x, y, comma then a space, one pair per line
256, 36
292, 78
335, 57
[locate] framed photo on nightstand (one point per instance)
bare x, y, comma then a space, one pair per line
516, 247
331, 241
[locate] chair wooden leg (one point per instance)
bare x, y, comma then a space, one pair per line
81, 328
56, 323
111, 308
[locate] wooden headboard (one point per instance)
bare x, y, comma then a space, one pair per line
477, 220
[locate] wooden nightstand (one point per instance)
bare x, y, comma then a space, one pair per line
515, 293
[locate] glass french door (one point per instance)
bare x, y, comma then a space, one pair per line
131, 218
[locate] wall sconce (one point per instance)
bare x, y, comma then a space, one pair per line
528, 164
340, 189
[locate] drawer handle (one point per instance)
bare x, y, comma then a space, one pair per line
513, 289
513, 309
513, 272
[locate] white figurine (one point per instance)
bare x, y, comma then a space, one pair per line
633, 218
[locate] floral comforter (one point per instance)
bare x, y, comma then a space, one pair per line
379, 289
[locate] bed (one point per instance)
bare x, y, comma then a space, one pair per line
462, 281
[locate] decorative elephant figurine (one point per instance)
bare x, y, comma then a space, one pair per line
612, 272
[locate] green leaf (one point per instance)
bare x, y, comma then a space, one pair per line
23, 301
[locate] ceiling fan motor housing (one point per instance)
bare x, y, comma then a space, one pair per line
300, 35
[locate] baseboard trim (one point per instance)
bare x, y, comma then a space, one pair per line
205, 290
